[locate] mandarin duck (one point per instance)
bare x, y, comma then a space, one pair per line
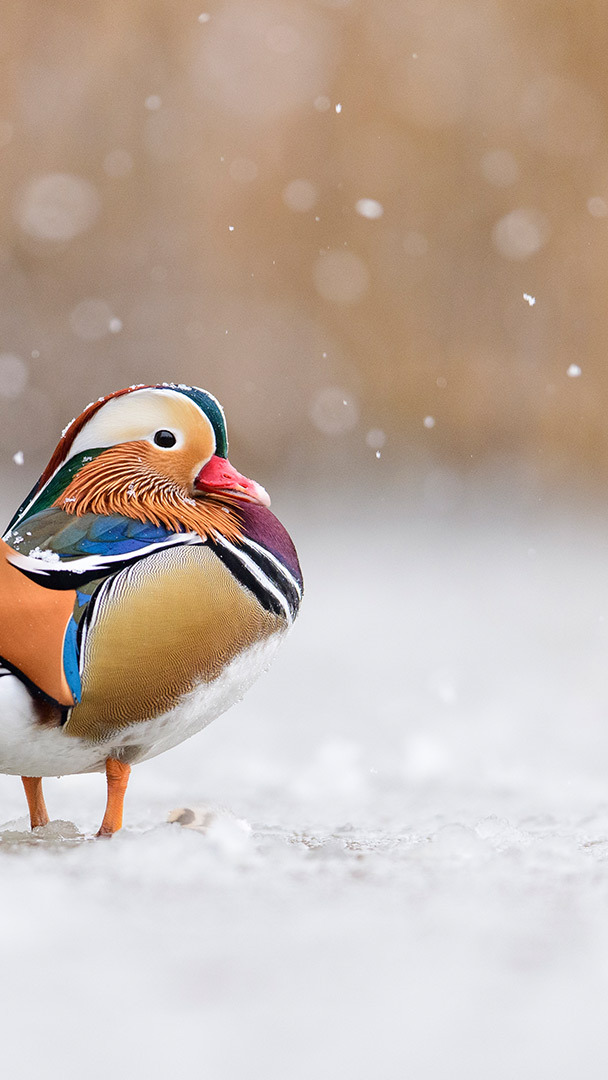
144, 585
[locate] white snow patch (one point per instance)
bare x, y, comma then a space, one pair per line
597, 207
57, 207
423, 890
520, 234
369, 208
45, 555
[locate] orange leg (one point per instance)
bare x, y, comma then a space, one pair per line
117, 774
35, 800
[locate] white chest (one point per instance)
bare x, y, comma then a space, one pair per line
198, 708
30, 749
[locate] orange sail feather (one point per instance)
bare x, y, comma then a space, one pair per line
27, 609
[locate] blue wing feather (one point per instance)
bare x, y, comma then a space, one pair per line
61, 551
92, 534
71, 660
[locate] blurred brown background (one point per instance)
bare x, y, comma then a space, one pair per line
368, 228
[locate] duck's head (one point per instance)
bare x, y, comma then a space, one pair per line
155, 453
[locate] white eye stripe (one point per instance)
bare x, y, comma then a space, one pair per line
141, 415
133, 417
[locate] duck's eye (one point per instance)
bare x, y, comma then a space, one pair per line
164, 438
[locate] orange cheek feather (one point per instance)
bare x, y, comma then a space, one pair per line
138, 481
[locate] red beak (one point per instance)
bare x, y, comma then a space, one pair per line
219, 476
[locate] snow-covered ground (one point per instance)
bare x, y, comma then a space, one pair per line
423, 889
